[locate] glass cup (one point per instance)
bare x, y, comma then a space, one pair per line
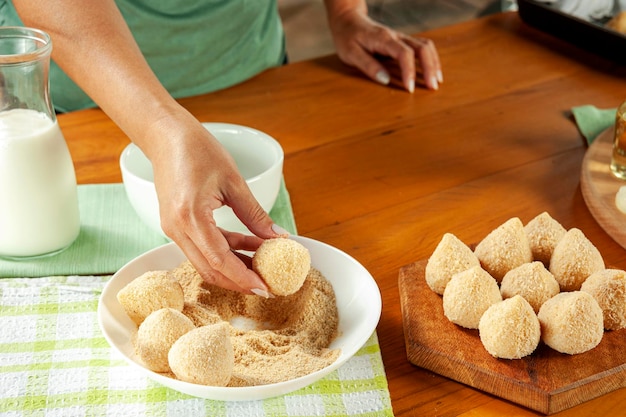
618, 158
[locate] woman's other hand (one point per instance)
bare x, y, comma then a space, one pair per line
360, 42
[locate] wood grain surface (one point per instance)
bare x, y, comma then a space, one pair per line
546, 380
599, 186
381, 174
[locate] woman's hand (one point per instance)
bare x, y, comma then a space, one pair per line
194, 175
359, 40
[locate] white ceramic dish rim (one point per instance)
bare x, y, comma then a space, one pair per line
332, 262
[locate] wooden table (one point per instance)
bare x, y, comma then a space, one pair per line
382, 174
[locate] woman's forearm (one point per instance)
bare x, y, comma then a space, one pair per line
94, 46
338, 7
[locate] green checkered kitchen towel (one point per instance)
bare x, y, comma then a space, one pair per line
54, 361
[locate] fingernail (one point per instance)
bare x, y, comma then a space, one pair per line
440, 76
261, 293
279, 230
411, 86
383, 77
434, 84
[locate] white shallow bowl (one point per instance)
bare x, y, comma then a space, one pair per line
358, 302
258, 156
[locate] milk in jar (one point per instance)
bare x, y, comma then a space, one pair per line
38, 197
39, 213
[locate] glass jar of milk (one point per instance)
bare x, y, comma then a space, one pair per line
38, 202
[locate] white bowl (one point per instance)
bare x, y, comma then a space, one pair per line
258, 156
358, 304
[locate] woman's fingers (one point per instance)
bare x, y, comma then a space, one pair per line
362, 43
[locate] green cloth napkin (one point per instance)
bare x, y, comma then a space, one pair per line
592, 121
112, 234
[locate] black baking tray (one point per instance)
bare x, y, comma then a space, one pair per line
588, 34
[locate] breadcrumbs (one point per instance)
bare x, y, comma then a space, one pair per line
283, 338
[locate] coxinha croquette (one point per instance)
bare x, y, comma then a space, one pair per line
523, 284
283, 264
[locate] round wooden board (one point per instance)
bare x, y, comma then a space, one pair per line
599, 186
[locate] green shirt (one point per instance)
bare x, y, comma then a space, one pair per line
193, 46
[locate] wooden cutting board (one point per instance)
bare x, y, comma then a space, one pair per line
546, 381
599, 187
